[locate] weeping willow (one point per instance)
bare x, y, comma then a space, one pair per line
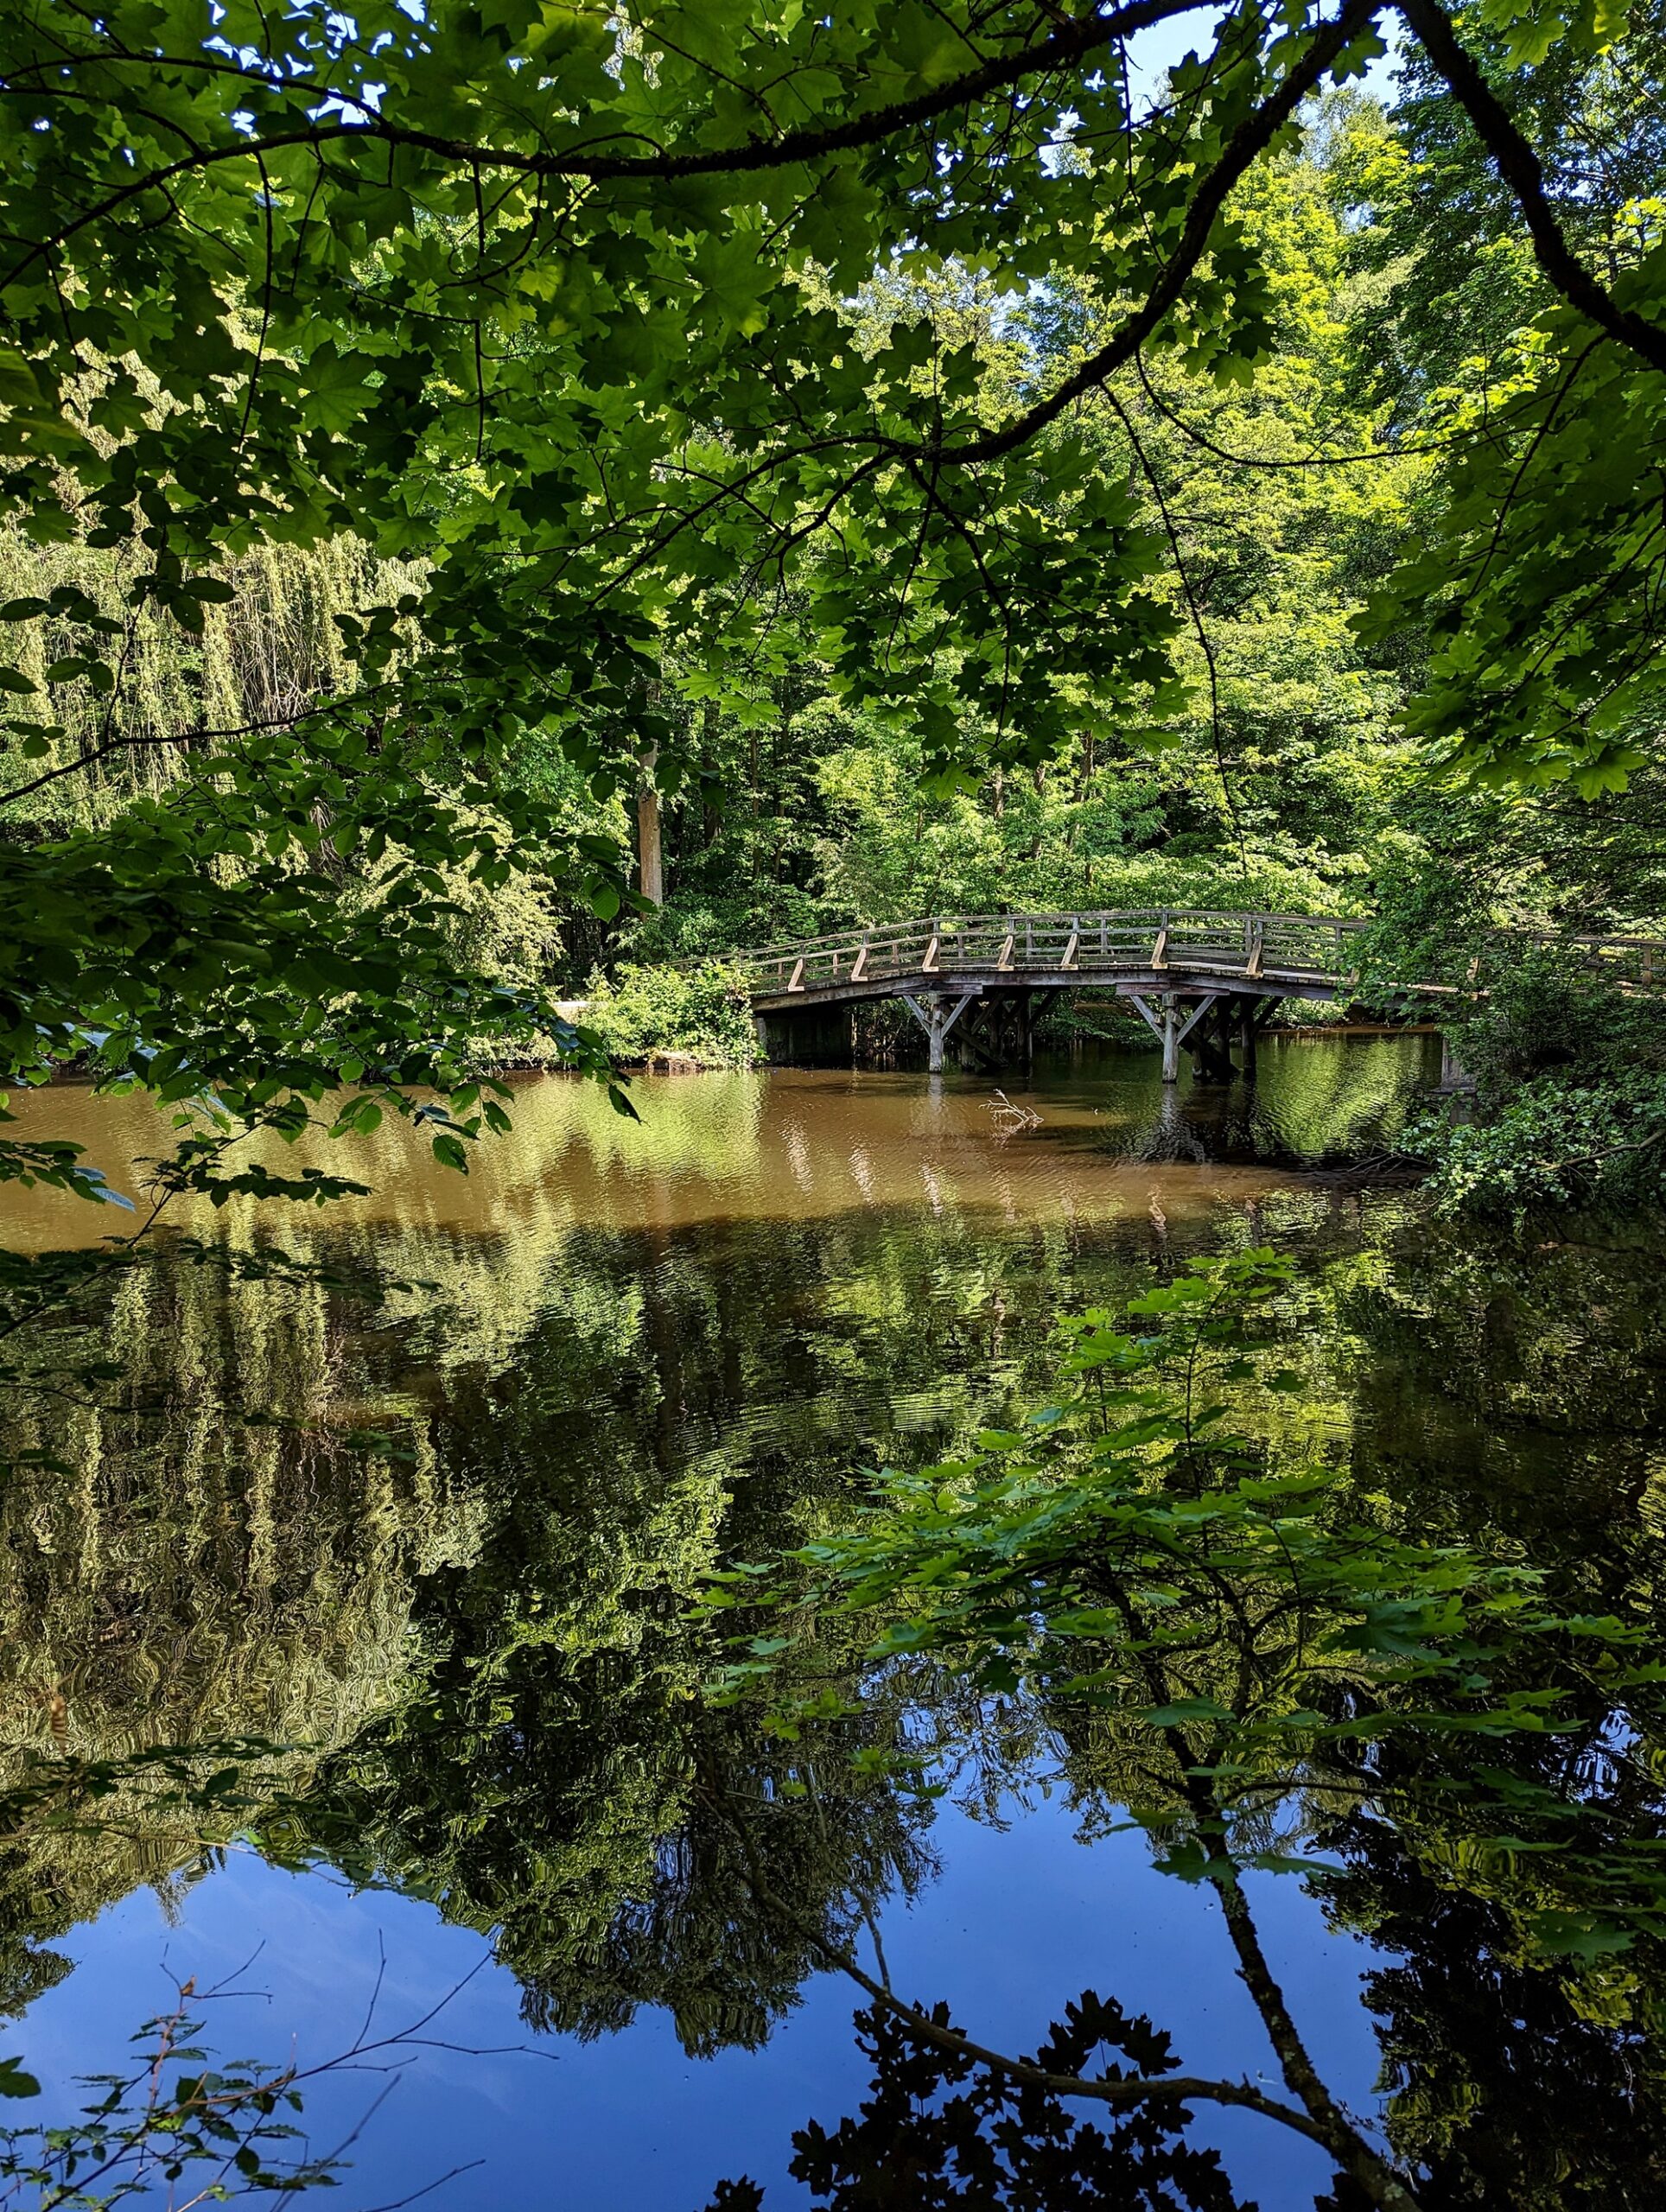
268, 653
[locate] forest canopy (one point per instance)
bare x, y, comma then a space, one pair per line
906, 452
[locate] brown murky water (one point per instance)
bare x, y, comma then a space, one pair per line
797, 1145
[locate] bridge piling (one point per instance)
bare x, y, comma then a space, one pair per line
937, 1018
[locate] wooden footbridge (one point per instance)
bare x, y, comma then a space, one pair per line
1202, 978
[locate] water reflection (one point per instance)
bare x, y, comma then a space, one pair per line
622, 1357
807, 1144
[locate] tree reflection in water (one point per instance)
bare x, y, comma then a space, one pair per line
475, 1640
938, 2131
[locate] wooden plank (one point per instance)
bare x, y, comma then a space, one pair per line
1305, 949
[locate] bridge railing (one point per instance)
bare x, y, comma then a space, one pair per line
1638, 961
1102, 940
1312, 949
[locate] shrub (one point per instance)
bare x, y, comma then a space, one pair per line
701, 1014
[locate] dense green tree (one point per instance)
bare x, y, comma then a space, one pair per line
1441, 230
558, 302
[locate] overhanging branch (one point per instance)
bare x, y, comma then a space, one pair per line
1070, 43
1246, 146
1523, 171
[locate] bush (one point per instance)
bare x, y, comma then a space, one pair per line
1545, 1010
700, 1016
1554, 1142
1570, 1108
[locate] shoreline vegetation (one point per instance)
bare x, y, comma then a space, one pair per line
504, 504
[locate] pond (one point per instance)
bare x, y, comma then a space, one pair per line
430, 1530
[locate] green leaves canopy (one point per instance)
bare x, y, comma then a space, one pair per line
558, 296
554, 289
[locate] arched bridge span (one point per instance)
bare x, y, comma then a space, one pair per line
1200, 976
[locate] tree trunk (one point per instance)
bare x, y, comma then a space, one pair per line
650, 870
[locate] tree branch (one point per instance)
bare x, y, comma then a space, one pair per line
145, 742
1521, 170
917, 2022
1249, 141
1069, 44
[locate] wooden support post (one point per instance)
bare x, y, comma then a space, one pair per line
1168, 1029
798, 982
1201, 1018
929, 965
1213, 1050
1068, 959
859, 966
937, 1017
1003, 966
977, 1036
1454, 1076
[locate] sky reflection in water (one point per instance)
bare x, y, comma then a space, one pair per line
777, 1282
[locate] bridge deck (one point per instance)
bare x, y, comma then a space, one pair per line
1184, 951
1179, 949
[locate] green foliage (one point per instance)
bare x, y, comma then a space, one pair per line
1561, 518
1538, 1007
1554, 1143
1248, 1636
1570, 1076
1453, 273
595, 345
1432, 926
223, 2131
698, 1013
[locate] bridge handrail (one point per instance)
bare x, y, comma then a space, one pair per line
1304, 949
950, 924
